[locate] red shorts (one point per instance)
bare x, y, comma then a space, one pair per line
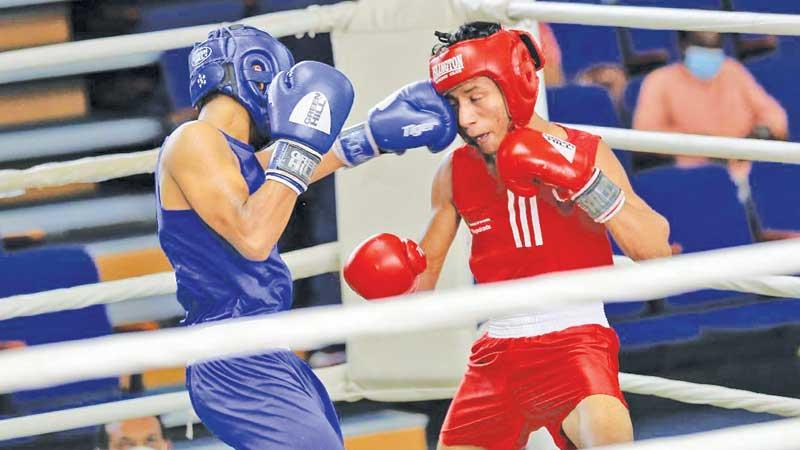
514, 386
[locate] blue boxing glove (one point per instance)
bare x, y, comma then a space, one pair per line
308, 105
414, 116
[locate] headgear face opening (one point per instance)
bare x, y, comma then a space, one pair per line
509, 57
239, 61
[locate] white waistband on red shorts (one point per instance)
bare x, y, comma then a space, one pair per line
526, 325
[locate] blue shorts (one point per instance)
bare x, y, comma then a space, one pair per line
267, 401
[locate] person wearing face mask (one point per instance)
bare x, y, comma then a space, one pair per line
711, 94
708, 93
143, 433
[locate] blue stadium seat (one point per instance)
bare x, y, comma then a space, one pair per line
164, 15
588, 105
631, 97
777, 73
46, 269
772, 6
703, 211
677, 328
776, 193
655, 331
656, 40
766, 314
692, 4
584, 46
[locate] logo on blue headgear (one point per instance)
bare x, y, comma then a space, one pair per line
226, 63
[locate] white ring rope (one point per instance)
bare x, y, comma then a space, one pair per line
701, 394
709, 394
143, 48
770, 286
84, 170
636, 16
696, 145
102, 168
316, 327
777, 435
86, 416
304, 263
95, 55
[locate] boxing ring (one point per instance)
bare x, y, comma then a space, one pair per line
383, 337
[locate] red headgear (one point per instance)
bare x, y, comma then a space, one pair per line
509, 57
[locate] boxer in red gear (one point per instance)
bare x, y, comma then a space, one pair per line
384, 266
537, 198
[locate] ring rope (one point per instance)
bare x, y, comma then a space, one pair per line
304, 263
682, 391
709, 394
771, 286
316, 327
118, 52
102, 168
637, 16
84, 170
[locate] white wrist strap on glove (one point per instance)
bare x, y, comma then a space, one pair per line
356, 145
292, 164
600, 197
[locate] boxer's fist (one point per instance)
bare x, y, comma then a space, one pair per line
384, 265
308, 105
527, 157
414, 116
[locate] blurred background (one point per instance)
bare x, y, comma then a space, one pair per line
628, 78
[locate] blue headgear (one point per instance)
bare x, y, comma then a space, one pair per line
225, 63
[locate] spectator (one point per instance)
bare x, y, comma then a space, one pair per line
143, 433
708, 93
612, 77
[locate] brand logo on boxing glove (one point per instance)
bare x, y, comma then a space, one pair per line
313, 111
200, 55
447, 67
300, 163
566, 149
416, 129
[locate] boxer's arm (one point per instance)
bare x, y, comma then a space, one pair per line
197, 157
640, 231
442, 227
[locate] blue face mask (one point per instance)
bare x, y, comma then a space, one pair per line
703, 62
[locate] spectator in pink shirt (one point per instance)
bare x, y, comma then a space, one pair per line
710, 94
707, 93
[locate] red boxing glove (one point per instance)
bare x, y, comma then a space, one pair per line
383, 266
527, 156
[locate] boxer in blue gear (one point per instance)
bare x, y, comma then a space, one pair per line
222, 207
